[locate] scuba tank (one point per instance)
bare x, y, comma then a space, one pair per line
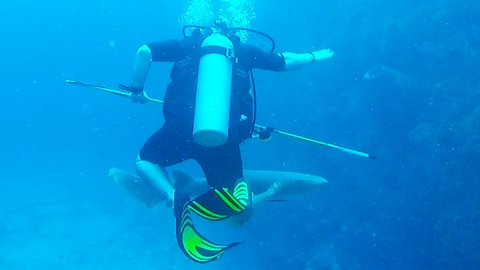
212, 108
212, 105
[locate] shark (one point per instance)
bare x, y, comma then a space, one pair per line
265, 186
276, 186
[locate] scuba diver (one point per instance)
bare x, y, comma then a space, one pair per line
209, 111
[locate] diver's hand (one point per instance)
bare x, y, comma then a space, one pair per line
137, 95
322, 54
141, 97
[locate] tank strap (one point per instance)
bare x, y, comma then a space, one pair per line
219, 50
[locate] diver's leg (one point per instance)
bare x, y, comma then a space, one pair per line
157, 177
164, 148
216, 204
230, 194
222, 165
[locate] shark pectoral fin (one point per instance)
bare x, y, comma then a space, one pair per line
136, 187
262, 196
191, 242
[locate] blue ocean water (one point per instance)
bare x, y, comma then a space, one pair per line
402, 85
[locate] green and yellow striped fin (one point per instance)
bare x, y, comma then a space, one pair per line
220, 203
200, 210
194, 245
242, 193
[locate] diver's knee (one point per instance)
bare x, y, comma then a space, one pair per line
138, 163
143, 165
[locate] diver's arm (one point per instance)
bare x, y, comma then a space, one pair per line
143, 61
298, 60
163, 51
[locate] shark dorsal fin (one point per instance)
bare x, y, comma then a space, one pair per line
182, 179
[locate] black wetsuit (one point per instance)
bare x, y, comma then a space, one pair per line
173, 143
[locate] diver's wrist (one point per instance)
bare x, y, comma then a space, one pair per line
136, 90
